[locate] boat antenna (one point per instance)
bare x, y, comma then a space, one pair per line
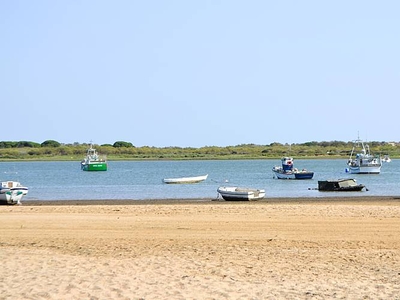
290, 149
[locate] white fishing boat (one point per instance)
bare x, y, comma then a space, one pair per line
12, 192
181, 180
234, 193
361, 160
386, 158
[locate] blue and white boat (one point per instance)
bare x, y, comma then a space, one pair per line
287, 171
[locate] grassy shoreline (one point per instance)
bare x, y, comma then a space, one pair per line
313, 150
124, 158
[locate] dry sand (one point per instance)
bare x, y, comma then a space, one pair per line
271, 249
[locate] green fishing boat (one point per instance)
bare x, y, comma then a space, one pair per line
93, 161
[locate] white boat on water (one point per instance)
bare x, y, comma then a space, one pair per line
193, 179
235, 193
386, 158
12, 192
361, 160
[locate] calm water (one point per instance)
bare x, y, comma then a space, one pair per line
143, 179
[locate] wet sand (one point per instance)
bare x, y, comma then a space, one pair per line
308, 248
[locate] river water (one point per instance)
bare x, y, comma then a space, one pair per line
143, 179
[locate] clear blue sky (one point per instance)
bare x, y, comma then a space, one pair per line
199, 73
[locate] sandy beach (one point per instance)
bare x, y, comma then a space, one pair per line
331, 248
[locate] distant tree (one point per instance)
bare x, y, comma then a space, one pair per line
275, 144
120, 144
310, 144
8, 144
51, 143
23, 144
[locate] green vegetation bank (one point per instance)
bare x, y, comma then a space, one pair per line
52, 150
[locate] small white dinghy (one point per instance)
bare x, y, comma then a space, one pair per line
235, 193
194, 179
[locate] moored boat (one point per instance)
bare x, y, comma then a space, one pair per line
93, 161
181, 180
235, 193
12, 192
15, 186
340, 185
287, 170
361, 160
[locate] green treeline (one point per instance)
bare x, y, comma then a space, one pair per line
120, 150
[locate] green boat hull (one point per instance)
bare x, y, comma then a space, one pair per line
95, 166
93, 162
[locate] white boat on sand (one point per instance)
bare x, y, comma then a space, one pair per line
15, 186
180, 180
235, 193
12, 192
